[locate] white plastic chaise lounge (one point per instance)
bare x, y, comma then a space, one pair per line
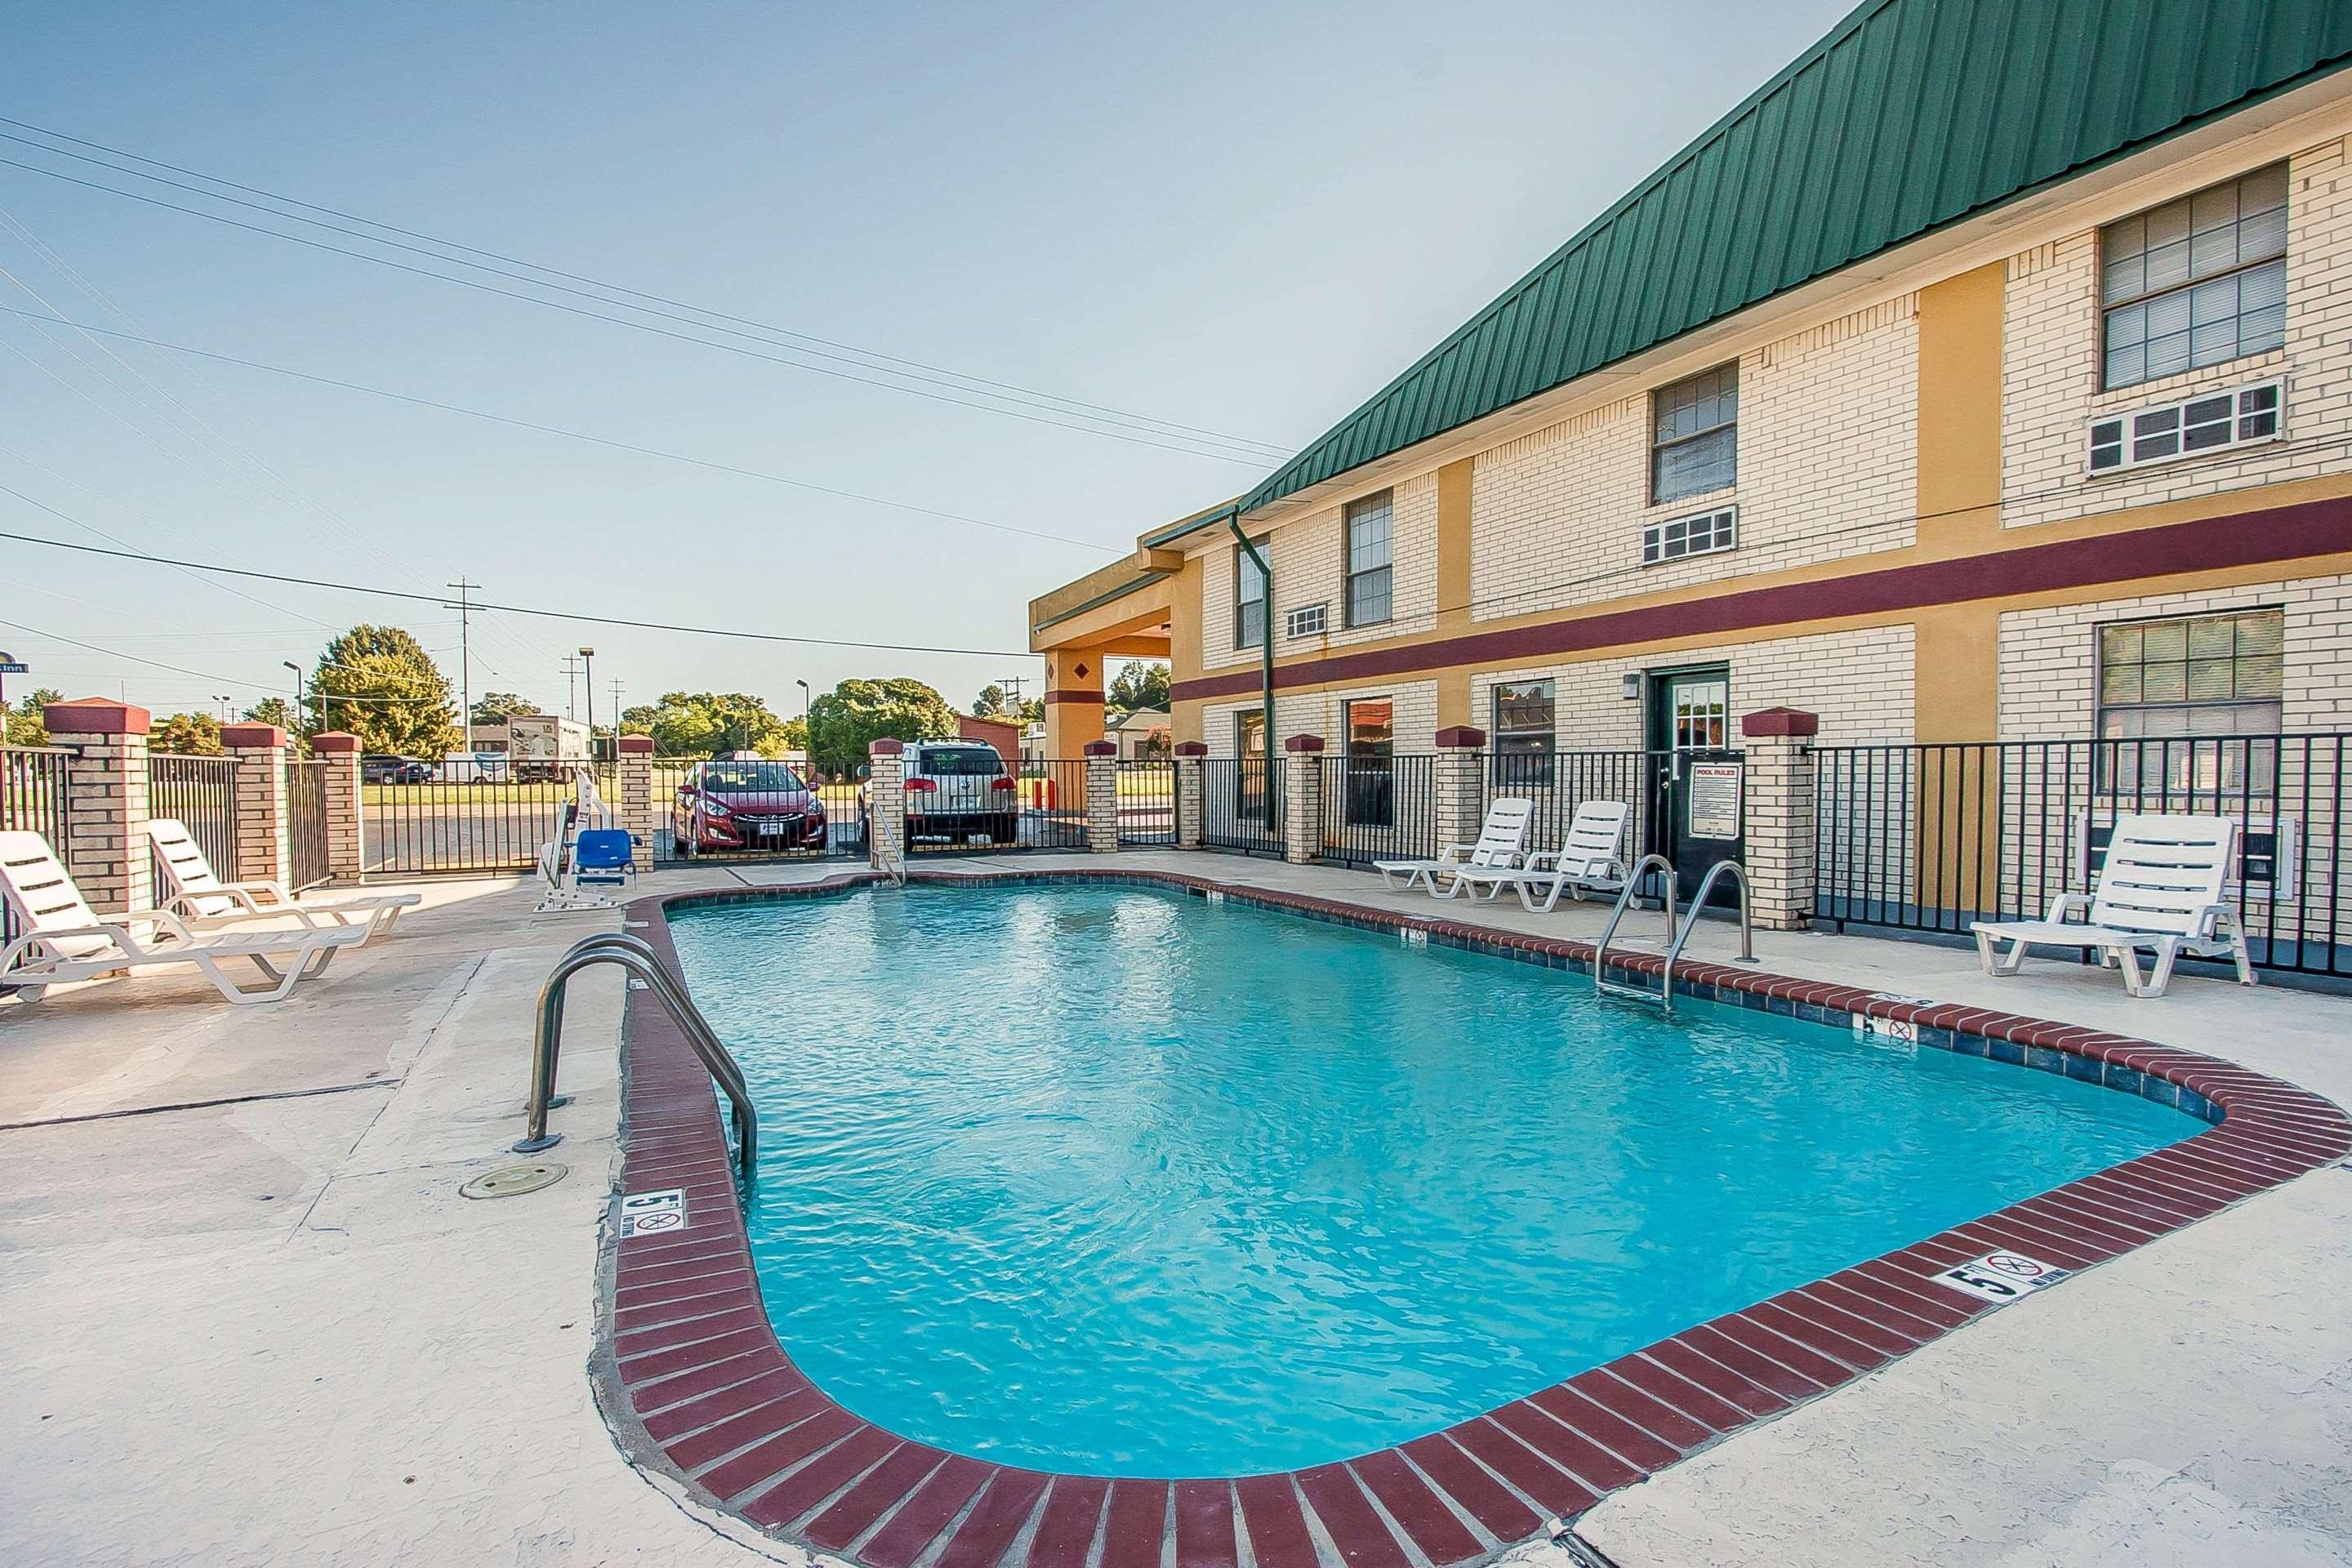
2159, 890
1587, 861
61, 940
1501, 839
192, 891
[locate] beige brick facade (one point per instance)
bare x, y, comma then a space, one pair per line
1828, 434
2050, 371
1308, 556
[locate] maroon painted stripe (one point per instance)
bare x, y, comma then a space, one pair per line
2244, 539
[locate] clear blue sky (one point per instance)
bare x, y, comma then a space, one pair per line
1242, 217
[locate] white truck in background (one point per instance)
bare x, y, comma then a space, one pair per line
542, 745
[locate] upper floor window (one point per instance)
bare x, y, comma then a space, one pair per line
1695, 436
1369, 551
1249, 598
2177, 699
2196, 281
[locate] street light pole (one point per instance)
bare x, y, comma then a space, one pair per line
298, 701
588, 666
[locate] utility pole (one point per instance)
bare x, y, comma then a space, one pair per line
614, 686
570, 687
1012, 685
465, 658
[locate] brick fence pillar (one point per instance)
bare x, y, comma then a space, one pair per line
106, 812
1778, 745
1461, 784
637, 801
263, 853
1102, 796
885, 795
346, 851
1191, 794
1302, 803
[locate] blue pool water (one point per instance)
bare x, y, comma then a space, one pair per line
1112, 1180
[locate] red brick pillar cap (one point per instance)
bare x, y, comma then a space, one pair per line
1460, 738
335, 742
1192, 748
1308, 744
1102, 748
95, 716
636, 746
1793, 723
885, 747
252, 737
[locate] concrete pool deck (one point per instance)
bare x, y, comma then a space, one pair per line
270, 1329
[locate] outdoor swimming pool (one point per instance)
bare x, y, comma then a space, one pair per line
1114, 1181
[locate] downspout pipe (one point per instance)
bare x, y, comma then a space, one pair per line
1265, 661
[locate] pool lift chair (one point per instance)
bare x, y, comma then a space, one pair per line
588, 854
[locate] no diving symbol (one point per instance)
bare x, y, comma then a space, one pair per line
649, 1214
2001, 1277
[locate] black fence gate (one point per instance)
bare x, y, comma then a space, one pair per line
1147, 801
484, 823
1378, 808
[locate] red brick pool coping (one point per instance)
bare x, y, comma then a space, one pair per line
699, 1385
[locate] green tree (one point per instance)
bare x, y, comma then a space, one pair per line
1139, 685
704, 723
187, 735
274, 711
379, 683
990, 704
24, 727
498, 707
856, 713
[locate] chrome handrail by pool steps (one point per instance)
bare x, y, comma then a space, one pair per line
1633, 880
635, 956
1698, 903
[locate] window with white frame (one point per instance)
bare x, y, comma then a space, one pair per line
1525, 736
2178, 699
2188, 427
1702, 534
1249, 598
1695, 436
2197, 281
1370, 543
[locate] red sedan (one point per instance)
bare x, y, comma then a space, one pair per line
730, 802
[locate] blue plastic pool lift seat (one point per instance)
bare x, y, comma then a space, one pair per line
603, 856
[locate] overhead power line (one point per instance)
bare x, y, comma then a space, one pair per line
1252, 462
617, 446
437, 602
865, 354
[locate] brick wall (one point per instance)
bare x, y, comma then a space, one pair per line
1308, 557
1828, 435
2051, 372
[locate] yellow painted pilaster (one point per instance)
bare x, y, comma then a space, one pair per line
1454, 584
1074, 701
1957, 677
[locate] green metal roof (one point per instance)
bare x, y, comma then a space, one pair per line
1909, 115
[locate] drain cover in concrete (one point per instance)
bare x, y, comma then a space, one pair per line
514, 1180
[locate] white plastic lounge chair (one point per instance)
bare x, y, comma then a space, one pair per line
203, 902
1587, 861
2160, 889
1499, 842
62, 940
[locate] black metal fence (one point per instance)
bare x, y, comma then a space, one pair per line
1931, 838
1559, 782
1378, 808
442, 825
35, 793
1241, 805
1147, 801
200, 793
306, 823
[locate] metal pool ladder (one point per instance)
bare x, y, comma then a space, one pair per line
1664, 994
633, 955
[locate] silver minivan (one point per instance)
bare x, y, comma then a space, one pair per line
957, 790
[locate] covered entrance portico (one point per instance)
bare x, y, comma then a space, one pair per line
1121, 612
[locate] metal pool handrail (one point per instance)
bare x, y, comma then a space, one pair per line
1699, 904
1609, 931
633, 955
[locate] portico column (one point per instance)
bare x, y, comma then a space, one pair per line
1074, 701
